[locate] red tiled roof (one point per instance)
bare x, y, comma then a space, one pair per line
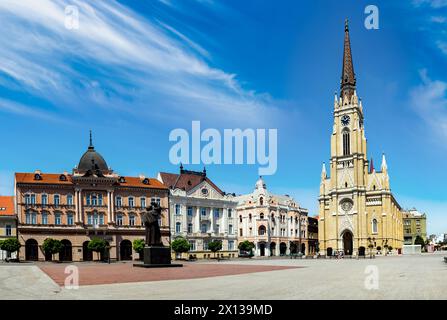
54, 178
6, 205
137, 182
47, 178
186, 181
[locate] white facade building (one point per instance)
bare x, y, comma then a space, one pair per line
201, 212
276, 224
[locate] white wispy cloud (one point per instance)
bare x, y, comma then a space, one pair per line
439, 19
117, 58
433, 3
21, 109
429, 100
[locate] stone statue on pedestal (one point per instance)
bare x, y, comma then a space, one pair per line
155, 255
150, 220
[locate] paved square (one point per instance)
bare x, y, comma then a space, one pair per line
403, 277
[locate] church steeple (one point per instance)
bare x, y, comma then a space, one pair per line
347, 85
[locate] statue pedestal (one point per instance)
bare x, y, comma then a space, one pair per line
157, 257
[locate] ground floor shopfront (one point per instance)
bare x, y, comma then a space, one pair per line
280, 247
75, 244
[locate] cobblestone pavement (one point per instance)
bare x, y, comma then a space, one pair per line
403, 277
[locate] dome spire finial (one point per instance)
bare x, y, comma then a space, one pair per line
91, 141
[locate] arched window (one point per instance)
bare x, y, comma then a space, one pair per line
374, 226
346, 143
261, 216
249, 217
261, 201
178, 227
261, 230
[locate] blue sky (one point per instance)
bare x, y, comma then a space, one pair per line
135, 70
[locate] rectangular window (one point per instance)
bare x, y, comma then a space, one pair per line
192, 245
57, 218
131, 202
231, 245
131, 220
118, 201
34, 218
216, 213
100, 199
44, 218
204, 228
216, 228
143, 202
95, 219
189, 211
230, 229
44, 200
70, 219
28, 218
101, 219
8, 230
70, 200
33, 199
177, 209
27, 199
205, 245
230, 213
94, 201
56, 200
241, 233
178, 227
89, 219
189, 227
88, 200
203, 212
119, 220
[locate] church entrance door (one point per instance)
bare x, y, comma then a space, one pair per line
347, 243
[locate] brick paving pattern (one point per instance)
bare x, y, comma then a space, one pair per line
99, 273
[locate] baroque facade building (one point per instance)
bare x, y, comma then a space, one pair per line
92, 201
357, 209
200, 212
276, 224
8, 222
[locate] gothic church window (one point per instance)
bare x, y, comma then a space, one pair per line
346, 142
374, 226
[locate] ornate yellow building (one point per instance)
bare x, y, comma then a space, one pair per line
358, 212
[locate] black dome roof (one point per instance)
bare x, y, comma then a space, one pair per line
92, 160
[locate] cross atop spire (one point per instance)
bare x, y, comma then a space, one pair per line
348, 81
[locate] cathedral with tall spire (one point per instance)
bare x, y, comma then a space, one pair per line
358, 214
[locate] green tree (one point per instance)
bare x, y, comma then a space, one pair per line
215, 246
138, 246
97, 245
246, 246
52, 246
180, 245
419, 241
10, 245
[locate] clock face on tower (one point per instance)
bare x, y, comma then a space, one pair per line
345, 120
